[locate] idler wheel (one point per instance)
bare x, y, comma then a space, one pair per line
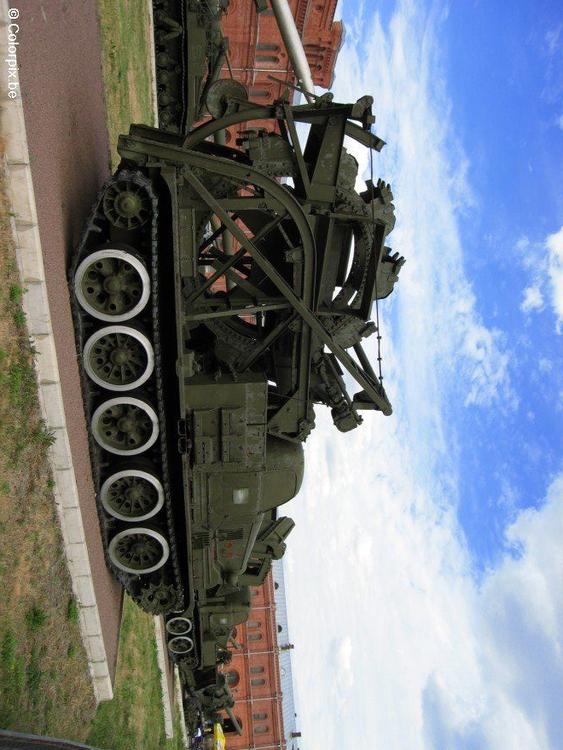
176, 626
112, 285
180, 645
222, 97
118, 358
139, 550
126, 205
132, 495
125, 426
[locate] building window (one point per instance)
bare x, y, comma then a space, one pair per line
229, 727
254, 592
276, 585
232, 677
257, 681
259, 93
253, 624
261, 729
255, 637
256, 670
260, 717
280, 628
268, 47
267, 58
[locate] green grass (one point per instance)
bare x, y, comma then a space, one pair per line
126, 66
43, 436
35, 619
15, 294
134, 718
19, 318
72, 610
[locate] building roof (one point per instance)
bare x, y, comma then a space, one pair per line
289, 708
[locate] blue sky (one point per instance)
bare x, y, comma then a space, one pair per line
428, 544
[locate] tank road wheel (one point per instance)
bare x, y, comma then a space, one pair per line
180, 645
138, 550
178, 626
112, 285
125, 426
132, 495
126, 205
118, 358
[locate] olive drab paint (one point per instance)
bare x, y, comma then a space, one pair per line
219, 296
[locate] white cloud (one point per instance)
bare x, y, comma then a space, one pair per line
344, 663
402, 647
552, 39
554, 245
427, 168
544, 262
545, 365
533, 298
396, 645
522, 244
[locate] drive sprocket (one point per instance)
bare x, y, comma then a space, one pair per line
157, 599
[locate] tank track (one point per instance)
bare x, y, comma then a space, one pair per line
170, 64
164, 590
170, 24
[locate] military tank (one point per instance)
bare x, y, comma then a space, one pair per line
220, 294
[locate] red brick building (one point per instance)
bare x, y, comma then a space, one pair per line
253, 675
257, 51
260, 674
256, 48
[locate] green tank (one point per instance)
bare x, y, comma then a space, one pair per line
219, 295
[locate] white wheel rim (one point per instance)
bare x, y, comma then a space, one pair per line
131, 473
175, 648
138, 336
120, 255
96, 426
139, 530
178, 620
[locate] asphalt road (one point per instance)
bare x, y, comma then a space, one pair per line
61, 87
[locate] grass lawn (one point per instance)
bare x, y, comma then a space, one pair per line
134, 718
44, 682
126, 50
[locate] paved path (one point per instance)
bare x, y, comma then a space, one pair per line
61, 86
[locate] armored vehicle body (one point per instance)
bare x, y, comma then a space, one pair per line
220, 294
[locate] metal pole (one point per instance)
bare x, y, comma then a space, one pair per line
294, 46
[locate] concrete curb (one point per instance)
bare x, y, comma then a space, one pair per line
180, 706
160, 638
153, 63
36, 307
